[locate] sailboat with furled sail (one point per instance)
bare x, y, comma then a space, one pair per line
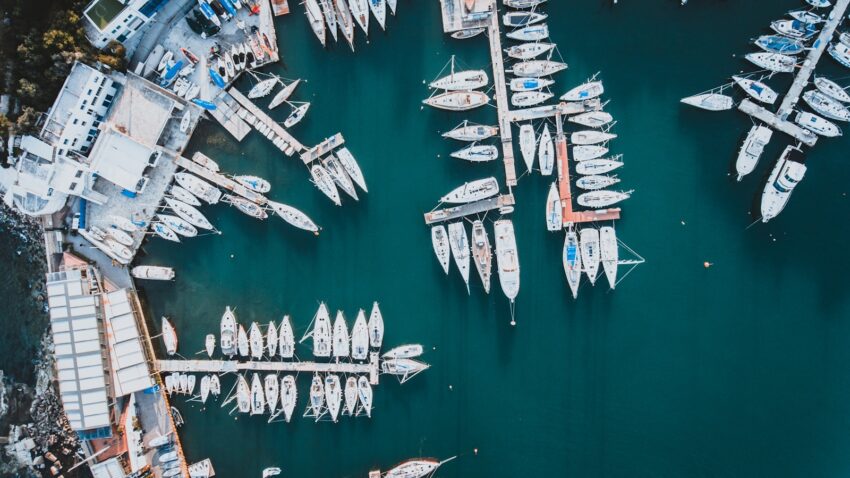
506, 258
344, 20
314, 16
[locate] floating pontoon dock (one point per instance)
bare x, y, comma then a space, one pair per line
457, 212
262, 117
226, 115
227, 366
220, 180
323, 148
771, 119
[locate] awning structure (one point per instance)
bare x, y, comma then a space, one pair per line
130, 369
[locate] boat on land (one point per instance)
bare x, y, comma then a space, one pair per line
350, 396
243, 395
458, 100
263, 88
507, 259
288, 396
527, 144
522, 19
537, 68
459, 245
333, 395
440, 242
209, 344
602, 198
178, 225
840, 52
188, 213
594, 182
585, 91
125, 224
198, 187
404, 351
788, 172
481, 253
592, 167
186, 119
340, 177
468, 33
590, 137
584, 153
258, 399
317, 23
153, 272
554, 209
794, 29
227, 337
523, 84
119, 236
271, 387
164, 61
528, 51
529, 98
461, 80
286, 338
571, 258
182, 194
590, 256
364, 393
376, 326
826, 106
472, 191
123, 252
546, 152
287, 90
341, 340
776, 62
360, 337
322, 179
592, 119
317, 396
349, 164
242, 342
609, 253
832, 89
254, 183
255, 341
360, 12
467, 131
379, 11
710, 101
530, 33
477, 153
247, 207
756, 89
817, 125
297, 115
780, 44
169, 336
293, 216
322, 332
165, 232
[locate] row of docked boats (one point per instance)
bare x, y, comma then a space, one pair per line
265, 87
587, 250
338, 171
458, 91
185, 384
335, 17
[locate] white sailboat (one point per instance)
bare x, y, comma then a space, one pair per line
590, 136
190, 384
584, 153
602, 198
507, 258
287, 90
788, 172
317, 22
592, 119
258, 399
376, 326
183, 195
330, 17
477, 153
598, 166
293, 216
350, 395
554, 209
472, 191
461, 80
440, 242
404, 367
254, 183
286, 338
459, 245
272, 390
288, 396
826, 106
205, 388
209, 344
530, 33
571, 258
227, 339
322, 179
339, 176
341, 343
404, 351
752, 149
392, 5
529, 98
528, 51
272, 339
594, 182
481, 253
590, 256
189, 213
546, 152
537, 68
527, 144
379, 11
776, 62
333, 395
178, 225
263, 88
198, 187
458, 100
817, 125
243, 395
710, 101
322, 332
609, 253
360, 337
344, 21
529, 84
255, 339
360, 11
215, 386
298, 113
832, 89
242, 342
756, 89
169, 336
471, 132
346, 159
585, 91
364, 393
317, 396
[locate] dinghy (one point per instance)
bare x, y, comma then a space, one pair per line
322, 332
440, 242
584, 91
333, 395
572, 261
537, 68
169, 336
350, 395
247, 207
360, 337
288, 396
459, 245
590, 137
286, 338
322, 179
349, 164
592, 119
710, 101
188, 213
527, 145
529, 84
546, 152
601, 199
287, 90
554, 209
528, 51
598, 166
589, 245
507, 259
364, 393
477, 153
467, 131
376, 326
751, 151
481, 253
404, 351
178, 225
293, 216
472, 191
458, 100
341, 344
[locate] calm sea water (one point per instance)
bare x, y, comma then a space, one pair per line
742, 369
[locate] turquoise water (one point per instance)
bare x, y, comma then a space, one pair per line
742, 369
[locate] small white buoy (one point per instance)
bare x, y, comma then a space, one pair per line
231, 256
451, 388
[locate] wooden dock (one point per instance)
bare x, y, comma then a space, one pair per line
771, 119
463, 210
370, 368
261, 116
280, 7
322, 148
501, 96
220, 180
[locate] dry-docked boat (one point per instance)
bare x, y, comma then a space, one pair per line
152, 272
826, 106
592, 119
339, 175
404, 351
376, 326
379, 11
188, 213
119, 235
340, 342
529, 84
198, 187
468, 33
272, 389
527, 144
330, 17
554, 210
314, 16
360, 11
522, 19
255, 341
125, 224
459, 245
584, 153
243, 395
589, 244
585, 91
317, 396
333, 395
350, 395
529, 98
258, 399
461, 80
571, 258
360, 337
169, 336
609, 253
710, 101
440, 242
772, 61
288, 396
477, 153
458, 100
788, 172
467, 131
527, 51
472, 191
751, 151
254, 183
832, 89
481, 253
546, 152
242, 342
247, 207
537, 68
178, 225
594, 182
263, 88
297, 114
817, 125
322, 179
347, 161
530, 33
182, 194
124, 254
287, 90
293, 216
590, 137
599, 165
364, 393
344, 21
507, 258
209, 344
840, 52
227, 329
286, 338
602, 198
322, 332
758, 90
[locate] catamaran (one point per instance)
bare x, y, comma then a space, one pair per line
458, 100
293, 216
379, 11
751, 151
594, 182
288, 396
477, 153
152, 272
788, 172
317, 23
258, 399
710, 101
554, 209
272, 391
247, 207
169, 336
584, 153
228, 333
585, 91
758, 90
287, 90
350, 395
178, 225
322, 332
817, 125
832, 89
198, 187
591, 137
339, 175
364, 393
286, 338
572, 261
772, 61
602, 198
376, 326
317, 396
341, 343
467, 131
529, 84
440, 242
537, 68
826, 106
527, 144
255, 339
242, 342
507, 259
546, 152
360, 337
182, 194
459, 245
481, 253
322, 179
360, 11
529, 98
590, 256
530, 33
347, 161
333, 395
598, 166
528, 51
472, 191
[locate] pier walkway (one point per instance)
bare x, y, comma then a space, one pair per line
262, 117
234, 366
771, 119
323, 148
549, 111
220, 180
501, 96
477, 207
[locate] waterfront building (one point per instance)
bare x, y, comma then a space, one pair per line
116, 20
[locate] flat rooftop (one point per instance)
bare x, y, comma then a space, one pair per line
102, 12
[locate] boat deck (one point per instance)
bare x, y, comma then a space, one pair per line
501, 96
262, 117
220, 180
322, 148
234, 366
548, 111
463, 210
784, 126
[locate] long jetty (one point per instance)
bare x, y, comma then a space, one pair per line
265, 119
220, 180
501, 93
477, 207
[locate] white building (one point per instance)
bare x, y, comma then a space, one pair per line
118, 20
